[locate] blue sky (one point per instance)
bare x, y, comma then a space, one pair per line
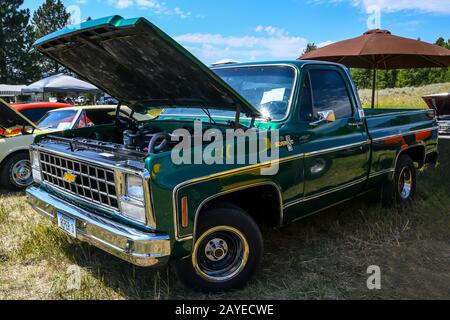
246, 30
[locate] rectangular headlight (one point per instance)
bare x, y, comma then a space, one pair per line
35, 166
133, 209
135, 187
35, 159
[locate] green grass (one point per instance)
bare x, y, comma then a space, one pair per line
322, 257
408, 97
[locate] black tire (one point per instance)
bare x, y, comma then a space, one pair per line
242, 238
402, 188
8, 172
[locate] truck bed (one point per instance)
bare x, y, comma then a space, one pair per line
393, 130
382, 122
388, 122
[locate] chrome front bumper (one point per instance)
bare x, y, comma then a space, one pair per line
132, 245
444, 127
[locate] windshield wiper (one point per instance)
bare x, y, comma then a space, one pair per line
208, 113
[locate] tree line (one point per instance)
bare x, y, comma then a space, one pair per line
401, 77
20, 63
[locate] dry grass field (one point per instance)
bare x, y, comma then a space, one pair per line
321, 257
407, 97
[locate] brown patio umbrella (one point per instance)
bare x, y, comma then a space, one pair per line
379, 49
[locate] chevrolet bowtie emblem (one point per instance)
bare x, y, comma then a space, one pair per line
69, 177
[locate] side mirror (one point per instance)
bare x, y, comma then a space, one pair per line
324, 116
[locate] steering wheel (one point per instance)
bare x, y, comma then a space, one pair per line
125, 120
158, 142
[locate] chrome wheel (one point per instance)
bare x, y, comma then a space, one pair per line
216, 249
21, 173
405, 183
220, 254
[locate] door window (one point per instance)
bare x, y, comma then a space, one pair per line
306, 108
330, 93
81, 122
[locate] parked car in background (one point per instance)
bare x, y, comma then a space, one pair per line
81, 101
441, 103
107, 101
17, 133
35, 111
69, 100
118, 186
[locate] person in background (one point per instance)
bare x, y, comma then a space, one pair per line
60, 98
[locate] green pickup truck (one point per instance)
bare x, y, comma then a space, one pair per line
123, 189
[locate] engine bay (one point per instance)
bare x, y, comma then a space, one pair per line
129, 138
147, 140
127, 141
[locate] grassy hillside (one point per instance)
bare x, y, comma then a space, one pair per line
325, 256
407, 97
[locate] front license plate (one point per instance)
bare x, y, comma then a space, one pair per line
67, 224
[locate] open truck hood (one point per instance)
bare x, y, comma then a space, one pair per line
11, 121
137, 63
439, 102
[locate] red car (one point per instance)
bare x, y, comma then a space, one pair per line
35, 111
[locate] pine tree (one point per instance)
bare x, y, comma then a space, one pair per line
441, 42
309, 47
424, 76
16, 65
49, 17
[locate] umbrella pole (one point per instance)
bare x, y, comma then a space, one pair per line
374, 80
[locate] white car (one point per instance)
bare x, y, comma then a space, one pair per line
17, 133
81, 100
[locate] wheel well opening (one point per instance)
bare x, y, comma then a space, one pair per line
262, 203
11, 155
417, 155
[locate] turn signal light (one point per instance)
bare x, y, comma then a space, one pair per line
184, 212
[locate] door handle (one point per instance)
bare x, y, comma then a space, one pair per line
356, 124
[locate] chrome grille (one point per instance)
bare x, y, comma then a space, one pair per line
92, 183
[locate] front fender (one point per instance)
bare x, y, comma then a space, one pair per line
12, 145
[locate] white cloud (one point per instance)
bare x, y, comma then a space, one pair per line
430, 6
435, 6
325, 43
273, 44
182, 14
272, 31
158, 7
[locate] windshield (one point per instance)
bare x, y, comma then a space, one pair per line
58, 120
267, 88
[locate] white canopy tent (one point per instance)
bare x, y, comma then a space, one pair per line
11, 91
61, 83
